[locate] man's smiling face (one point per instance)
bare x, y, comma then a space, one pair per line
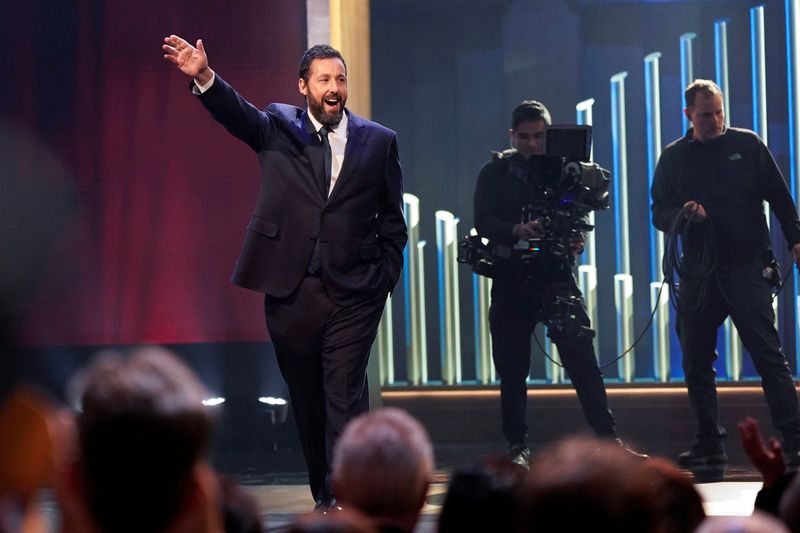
326, 90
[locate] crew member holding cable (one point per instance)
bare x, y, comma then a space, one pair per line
520, 293
708, 190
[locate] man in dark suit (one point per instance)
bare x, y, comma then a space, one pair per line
325, 240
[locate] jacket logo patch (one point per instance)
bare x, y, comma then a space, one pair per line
735, 157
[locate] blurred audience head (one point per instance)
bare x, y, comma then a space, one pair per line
346, 520
679, 505
382, 465
588, 485
482, 496
756, 523
789, 509
141, 429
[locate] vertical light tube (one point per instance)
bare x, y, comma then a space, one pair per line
421, 342
759, 75
588, 259
759, 81
481, 297
652, 87
554, 373
449, 310
587, 283
386, 344
733, 345
793, 73
620, 153
623, 282
733, 351
721, 63
687, 68
652, 84
759, 72
661, 331
623, 300
414, 294
583, 111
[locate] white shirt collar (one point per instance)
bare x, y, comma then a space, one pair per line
340, 129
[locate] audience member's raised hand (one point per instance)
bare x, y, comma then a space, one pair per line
766, 457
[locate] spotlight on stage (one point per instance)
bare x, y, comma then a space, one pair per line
213, 402
277, 410
269, 400
276, 407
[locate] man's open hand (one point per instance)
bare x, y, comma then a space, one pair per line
190, 60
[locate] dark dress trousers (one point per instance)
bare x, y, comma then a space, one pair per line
322, 324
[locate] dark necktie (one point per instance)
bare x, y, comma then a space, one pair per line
325, 184
326, 158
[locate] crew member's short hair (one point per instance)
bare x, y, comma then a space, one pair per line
318, 51
707, 87
529, 111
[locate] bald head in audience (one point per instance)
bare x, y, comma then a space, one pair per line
382, 466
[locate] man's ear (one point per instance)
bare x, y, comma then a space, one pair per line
686, 112
302, 87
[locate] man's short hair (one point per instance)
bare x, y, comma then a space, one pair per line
142, 428
385, 461
707, 87
529, 111
318, 51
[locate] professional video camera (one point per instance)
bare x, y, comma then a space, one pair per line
564, 188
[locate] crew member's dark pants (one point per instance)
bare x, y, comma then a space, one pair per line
746, 299
513, 316
322, 351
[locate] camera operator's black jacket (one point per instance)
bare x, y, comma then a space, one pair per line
730, 176
500, 195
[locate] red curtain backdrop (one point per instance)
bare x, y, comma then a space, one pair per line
125, 202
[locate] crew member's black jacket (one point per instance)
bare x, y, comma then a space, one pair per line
730, 176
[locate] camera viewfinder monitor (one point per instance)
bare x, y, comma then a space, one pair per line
573, 142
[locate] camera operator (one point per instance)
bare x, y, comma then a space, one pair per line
520, 292
713, 182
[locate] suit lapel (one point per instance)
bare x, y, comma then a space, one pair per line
356, 140
313, 149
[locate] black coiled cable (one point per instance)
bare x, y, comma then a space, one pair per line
695, 269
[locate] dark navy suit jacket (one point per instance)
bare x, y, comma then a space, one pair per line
360, 226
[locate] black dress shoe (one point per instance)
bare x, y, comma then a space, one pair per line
703, 453
520, 455
630, 450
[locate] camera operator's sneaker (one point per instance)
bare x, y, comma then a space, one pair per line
703, 453
520, 455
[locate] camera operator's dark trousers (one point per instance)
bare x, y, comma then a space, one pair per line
745, 295
513, 316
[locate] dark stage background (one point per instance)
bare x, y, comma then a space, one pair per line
449, 91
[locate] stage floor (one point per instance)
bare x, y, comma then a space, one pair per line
281, 504
464, 425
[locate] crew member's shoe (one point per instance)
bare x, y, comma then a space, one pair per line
520, 455
703, 453
630, 450
327, 505
791, 457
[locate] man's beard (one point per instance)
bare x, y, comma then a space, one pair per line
317, 109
